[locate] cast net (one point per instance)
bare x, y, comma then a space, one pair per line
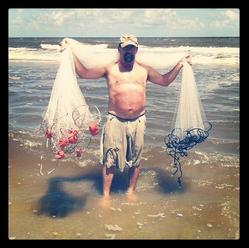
190, 126
68, 122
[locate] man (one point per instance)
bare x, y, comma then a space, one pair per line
123, 134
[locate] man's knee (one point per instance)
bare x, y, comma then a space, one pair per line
109, 170
134, 168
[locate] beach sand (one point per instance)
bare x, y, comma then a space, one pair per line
52, 199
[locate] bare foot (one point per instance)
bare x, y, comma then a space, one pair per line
131, 196
105, 202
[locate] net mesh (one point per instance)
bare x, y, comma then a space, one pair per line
189, 126
67, 119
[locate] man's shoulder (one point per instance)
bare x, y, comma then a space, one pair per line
111, 68
143, 66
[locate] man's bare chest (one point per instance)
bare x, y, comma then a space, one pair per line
136, 76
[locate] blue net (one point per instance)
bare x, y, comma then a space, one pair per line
177, 147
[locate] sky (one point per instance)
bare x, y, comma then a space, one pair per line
150, 22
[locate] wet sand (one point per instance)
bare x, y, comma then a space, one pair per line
64, 203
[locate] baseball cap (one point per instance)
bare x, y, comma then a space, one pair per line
128, 39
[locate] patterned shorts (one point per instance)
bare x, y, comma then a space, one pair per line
122, 141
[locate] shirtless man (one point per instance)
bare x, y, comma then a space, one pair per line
123, 134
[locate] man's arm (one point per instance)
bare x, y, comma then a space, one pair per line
166, 79
163, 80
80, 69
83, 72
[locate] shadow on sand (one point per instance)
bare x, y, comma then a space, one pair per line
58, 203
167, 183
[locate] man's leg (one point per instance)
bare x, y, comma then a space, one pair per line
107, 175
136, 144
133, 177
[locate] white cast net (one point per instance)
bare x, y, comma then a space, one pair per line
68, 117
190, 126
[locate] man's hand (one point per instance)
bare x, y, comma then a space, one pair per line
63, 44
187, 58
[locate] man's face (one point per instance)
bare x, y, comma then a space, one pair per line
128, 53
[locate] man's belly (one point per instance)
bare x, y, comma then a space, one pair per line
127, 102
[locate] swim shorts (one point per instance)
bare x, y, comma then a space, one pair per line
122, 141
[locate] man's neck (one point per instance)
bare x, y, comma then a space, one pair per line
123, 67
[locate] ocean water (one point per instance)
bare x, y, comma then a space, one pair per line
210, 172
33, 64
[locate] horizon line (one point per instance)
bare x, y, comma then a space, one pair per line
119, 36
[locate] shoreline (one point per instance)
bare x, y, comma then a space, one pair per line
64, 203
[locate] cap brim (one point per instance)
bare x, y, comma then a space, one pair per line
129, 43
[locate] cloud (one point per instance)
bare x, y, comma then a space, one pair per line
108, 16
169, 19
60, 17
121, 15
84, 17
55, 17
112, 22
188, 24
225, 19
231, 15
15, 17
48, 20
158, 16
